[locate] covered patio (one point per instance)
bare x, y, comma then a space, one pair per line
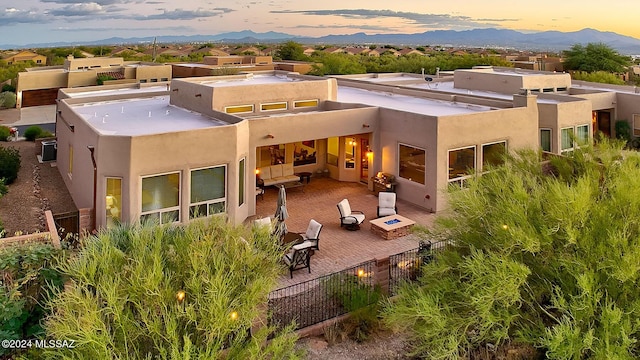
339, 248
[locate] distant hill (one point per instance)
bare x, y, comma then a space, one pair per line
547, 40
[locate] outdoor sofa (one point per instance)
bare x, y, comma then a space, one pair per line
278, 174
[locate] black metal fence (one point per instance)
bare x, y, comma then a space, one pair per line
323, 298
405, 266
68, 224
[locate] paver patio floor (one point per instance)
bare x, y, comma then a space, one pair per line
339, 248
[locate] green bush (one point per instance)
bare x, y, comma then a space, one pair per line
28, 279
9, 164
3, 188
623, 130
44, 134
32, 132
8, 99
8, 87
5, 132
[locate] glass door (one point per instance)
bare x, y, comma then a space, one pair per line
364, 160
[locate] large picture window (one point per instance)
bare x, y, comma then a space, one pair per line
493, 154
208, 192
545, 139
462, 164
113, 201
412, 161
161, 198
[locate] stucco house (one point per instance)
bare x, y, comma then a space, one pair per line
193, 150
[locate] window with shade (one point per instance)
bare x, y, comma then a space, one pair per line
411, 163
545, 139
208, 192
113, 201
161, 198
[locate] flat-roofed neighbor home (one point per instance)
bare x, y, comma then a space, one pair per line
39, 86
192, 151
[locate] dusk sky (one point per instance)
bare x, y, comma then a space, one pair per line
40, 21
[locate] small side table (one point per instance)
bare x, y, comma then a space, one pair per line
304, 175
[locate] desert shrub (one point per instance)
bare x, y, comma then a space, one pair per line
28, 278
9, 164
358, 298
623, 130
5, 132
123, 297
8, 99
44, 134
549, 261
8, 87
32, 132
3, 188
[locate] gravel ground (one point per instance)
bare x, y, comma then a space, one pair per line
39, 187
383, 345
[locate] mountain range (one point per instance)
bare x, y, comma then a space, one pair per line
502, 38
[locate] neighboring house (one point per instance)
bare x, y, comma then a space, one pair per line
409, 51
334, 50
212, 133
39, 86
223, 65
356, 51
24, 56
309, 51
211, 52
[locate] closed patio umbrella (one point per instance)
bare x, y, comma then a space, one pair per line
281, 212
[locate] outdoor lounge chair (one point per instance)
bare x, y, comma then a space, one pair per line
351, 219
312, 235
387, 204
298, 258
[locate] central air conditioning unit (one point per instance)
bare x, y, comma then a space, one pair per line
49, 150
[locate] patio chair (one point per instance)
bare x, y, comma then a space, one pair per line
351, 219
265, 221
387, 204
298, 258
312, 235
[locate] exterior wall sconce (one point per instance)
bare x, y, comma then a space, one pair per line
365, 125
198, 95
369, 153
270, 136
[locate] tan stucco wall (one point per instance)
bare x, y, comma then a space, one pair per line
148, 73
72, 64
489, 80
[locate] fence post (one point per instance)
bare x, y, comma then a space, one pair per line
382, 274
53, 230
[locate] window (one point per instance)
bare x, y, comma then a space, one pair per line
70, 170
545, 139
161, 198
566, 141
636, 124
304, 152
273, 106
305, 103
113, 201
208, 192
493, 154
241, 181
547, 90
462, 163
332, 151
154, 80
238, 109
561, 89
142, 81
582, 134
350, 153
164, 79
37, 62
412, 162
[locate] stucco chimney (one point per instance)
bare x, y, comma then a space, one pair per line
524, 99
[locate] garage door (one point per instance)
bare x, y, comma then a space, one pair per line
39, 97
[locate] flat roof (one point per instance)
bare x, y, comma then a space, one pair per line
448, 87
411, 104
143, 116
248, 80
121, 91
